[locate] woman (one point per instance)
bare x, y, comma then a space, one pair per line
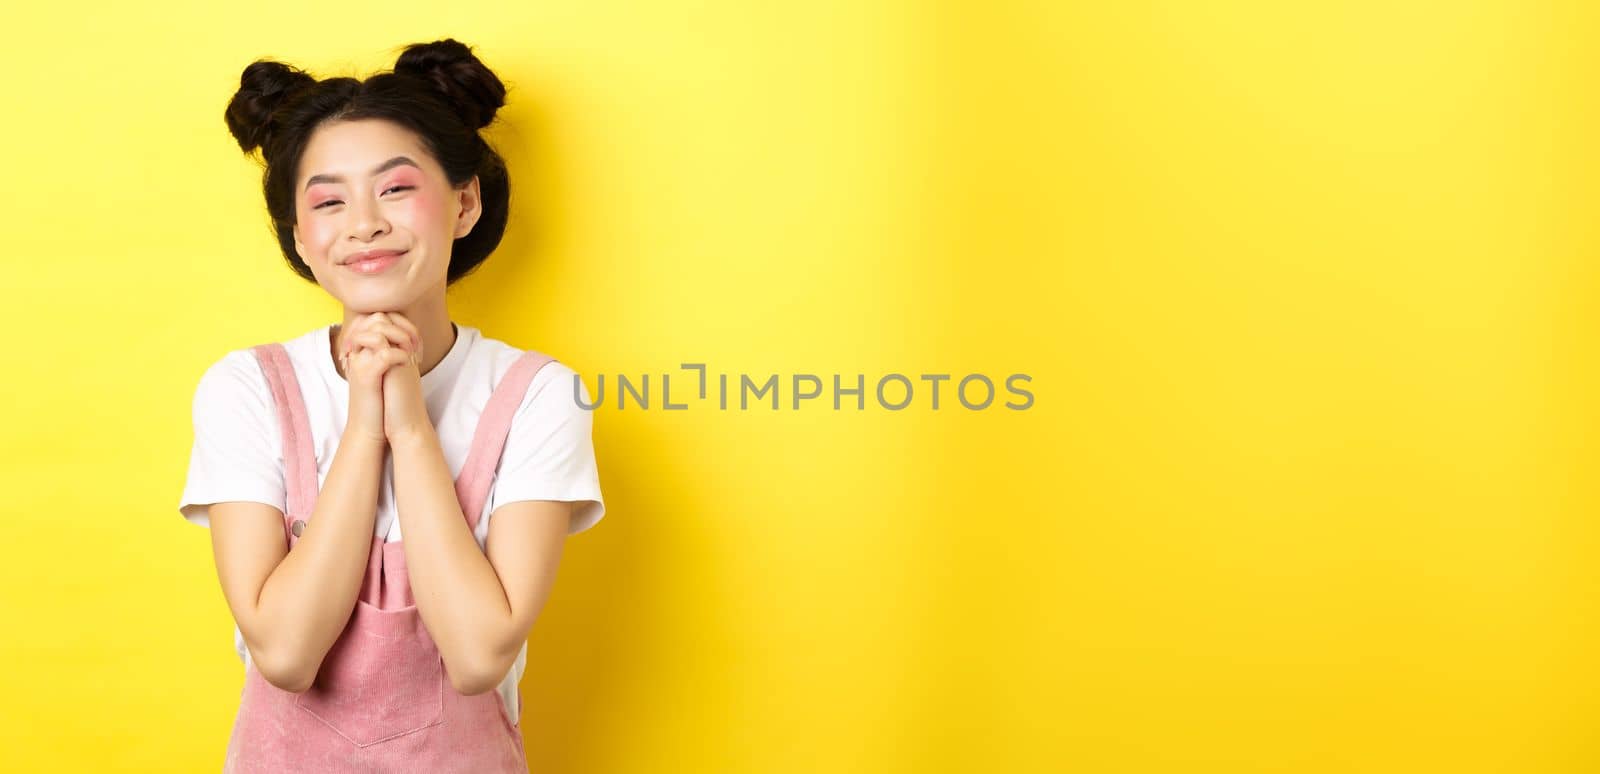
314, 456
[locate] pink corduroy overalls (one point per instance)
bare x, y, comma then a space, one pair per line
381, 701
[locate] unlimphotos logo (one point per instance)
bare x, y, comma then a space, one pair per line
894, 391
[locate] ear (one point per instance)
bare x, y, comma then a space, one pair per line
471, 202
299, 246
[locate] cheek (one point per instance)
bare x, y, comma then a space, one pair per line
426, 213
317, 234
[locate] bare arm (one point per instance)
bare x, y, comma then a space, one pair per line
292, 605
478, 608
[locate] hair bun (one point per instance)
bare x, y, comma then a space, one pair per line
263, 86
468, 85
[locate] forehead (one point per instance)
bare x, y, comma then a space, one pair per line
351, 149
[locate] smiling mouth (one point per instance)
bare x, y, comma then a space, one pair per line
375, 264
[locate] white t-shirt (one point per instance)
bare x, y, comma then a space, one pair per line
548, 454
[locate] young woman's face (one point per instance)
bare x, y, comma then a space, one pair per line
375, 215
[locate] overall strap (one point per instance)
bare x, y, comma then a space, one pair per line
300, 462
489, 439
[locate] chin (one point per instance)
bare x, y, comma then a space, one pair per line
369, 300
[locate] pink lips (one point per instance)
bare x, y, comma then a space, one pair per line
373, 262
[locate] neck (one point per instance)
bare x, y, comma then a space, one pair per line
432, 319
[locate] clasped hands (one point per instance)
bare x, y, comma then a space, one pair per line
381, 353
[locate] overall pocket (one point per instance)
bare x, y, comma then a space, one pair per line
381, 679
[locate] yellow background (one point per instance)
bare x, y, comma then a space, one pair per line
1306, 292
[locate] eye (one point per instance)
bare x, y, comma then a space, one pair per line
332, 202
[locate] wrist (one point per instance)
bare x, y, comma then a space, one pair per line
413, 438
355, 435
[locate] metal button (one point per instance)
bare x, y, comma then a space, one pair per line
297, 526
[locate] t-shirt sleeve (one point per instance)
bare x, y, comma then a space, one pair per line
549, 449
237, 452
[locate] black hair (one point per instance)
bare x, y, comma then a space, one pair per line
438, 90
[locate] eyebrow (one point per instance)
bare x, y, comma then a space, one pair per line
378, 170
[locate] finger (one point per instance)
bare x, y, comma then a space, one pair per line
361, 321
409, 327
397, 336
365, 321
367, 340
363, 356
377, 320
371, 338
374, 361
393, 358
347, 333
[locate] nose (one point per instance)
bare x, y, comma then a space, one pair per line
367, 220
